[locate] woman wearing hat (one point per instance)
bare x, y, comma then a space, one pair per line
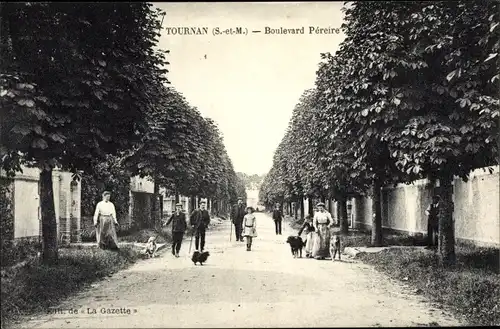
104, 222
321, 222
179, 225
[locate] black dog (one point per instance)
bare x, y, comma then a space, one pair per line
200, 257
296, 244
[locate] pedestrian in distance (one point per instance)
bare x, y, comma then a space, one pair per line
237, 214
105, 223
179, 226
433, 223
249, 227
278, 218
200, 219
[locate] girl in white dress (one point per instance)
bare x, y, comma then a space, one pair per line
249, 227
308, 228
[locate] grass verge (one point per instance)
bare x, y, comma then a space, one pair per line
32, 288
470, 289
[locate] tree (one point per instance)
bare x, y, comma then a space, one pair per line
68, 103
419, 88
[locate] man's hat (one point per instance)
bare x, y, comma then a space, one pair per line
178, 204
240, 199
321, 204
202, 201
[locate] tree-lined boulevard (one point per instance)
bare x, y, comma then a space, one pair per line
235, 288
411, 93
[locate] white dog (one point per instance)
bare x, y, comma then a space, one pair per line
151, 247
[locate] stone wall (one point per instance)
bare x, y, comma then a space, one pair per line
25, 193
476, 208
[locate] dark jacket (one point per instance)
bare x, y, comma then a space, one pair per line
433, 212
277, 214
306, 226
179, 223
238, 212
200, 218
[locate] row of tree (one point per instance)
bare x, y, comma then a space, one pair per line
84, 88
412, 92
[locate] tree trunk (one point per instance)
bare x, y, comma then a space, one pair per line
192, 203
177, 197
342, 214
155, 213
295, 211
376, 240
434, 191
49, 222
310, 207
446, 228
302, 207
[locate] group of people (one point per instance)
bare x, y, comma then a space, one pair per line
318, 233
199, 220
105, 223
245, 224
317, 228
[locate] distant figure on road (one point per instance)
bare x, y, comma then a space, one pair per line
309, 229
237, 214
104, 222
249, 227
432, 223
322, 222
278, 218
200, 219
179, 225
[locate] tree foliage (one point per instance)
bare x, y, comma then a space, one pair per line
412, 92
69, 103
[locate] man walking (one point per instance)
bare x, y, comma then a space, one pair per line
200, 218
179, 225
237, 214
278, 218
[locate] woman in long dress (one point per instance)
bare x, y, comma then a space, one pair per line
249, 227
104, 222
308, 228
322, 221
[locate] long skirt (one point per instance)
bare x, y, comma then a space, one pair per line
106, 233
309, 243
321, 242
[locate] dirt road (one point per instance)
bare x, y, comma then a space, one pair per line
265, 287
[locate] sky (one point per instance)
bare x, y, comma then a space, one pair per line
248, 84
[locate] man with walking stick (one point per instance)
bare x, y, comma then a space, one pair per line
199, 219
237, 214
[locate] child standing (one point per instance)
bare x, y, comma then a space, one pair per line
249, 227
309, 229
